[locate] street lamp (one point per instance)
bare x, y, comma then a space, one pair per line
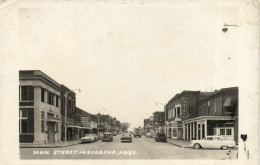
98, 118
225, 29
65, 118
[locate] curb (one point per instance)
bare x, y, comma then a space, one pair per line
48, 146
177, 145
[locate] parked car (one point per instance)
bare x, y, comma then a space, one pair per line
100, 135
95, 136
126, 137
88, 138
160, 137
212, 142
108, 136
149, 135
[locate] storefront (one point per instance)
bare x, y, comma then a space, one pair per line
198, 128
175, 130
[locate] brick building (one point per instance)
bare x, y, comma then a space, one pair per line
181, 107
217, 115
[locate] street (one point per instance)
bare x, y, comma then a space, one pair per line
140, 148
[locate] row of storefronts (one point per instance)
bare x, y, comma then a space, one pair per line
48, 112
193, 115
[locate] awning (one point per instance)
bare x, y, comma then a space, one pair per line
228, 102
74, 126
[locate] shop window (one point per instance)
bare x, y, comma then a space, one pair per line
42, 95
222, 132
42, 122
23, 117
229, 131
27, 93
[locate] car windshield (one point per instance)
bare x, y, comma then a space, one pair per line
126, 135
87, 134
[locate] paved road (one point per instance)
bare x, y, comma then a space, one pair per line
140, 148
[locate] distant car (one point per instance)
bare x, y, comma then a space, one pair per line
95, 136
126, 137
149, 135
160, 137
88, 138
212, 142
108, 136
100, 135
114, 133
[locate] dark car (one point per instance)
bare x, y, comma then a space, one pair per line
126, 137
108, 136
160, 137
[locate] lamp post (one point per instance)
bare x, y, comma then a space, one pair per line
98, 118
65, 118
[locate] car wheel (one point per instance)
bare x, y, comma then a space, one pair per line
224, 147
196, 146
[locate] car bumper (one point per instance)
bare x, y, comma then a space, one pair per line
126, 140
85, 140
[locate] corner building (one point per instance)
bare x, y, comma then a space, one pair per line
39, 108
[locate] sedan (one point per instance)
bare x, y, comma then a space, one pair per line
88, 138
126, 137
212, 142
149, 135
160, 137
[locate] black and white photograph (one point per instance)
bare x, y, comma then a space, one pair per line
129, 81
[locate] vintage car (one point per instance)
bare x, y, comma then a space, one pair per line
126, 137
88, 138
108, 136
212, 142
148, 135
160, 137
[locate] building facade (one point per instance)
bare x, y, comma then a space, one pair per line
39, 108
217, 115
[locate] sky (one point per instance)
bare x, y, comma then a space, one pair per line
125, 59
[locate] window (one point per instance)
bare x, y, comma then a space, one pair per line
57, 128
229, 131
42, 122
50, 98
42, 95
23, 121
69, 103
222, 131
229, 109
178, 111
27, 93
209, 138
57, 101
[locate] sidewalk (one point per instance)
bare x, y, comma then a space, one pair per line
179, 143
50, 145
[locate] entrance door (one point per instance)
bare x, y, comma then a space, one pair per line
50, 132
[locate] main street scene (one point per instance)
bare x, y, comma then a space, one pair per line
193, 125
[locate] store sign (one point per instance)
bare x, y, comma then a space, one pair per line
85, 121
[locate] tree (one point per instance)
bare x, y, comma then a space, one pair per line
125, 126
